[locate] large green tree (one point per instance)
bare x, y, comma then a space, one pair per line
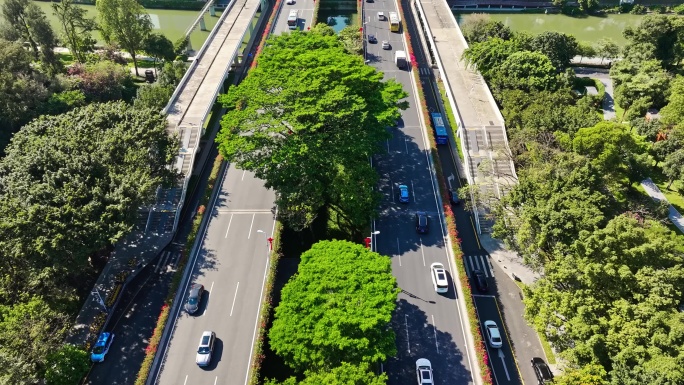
25, 22
125, 22
159, 47
345, 374
612, 298
673, 112
527, 71
29, 332
22, 90
639, 80
77, 28
664, 33
66, 366
552, 203
336, 309
306, 120
488, 55
558, 47
72, 184
614, 150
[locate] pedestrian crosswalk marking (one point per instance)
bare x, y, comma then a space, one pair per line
479, 262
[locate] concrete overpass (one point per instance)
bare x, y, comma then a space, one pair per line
190, 105
481, 128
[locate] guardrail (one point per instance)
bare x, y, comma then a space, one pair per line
192, 67
452, 103
201, 15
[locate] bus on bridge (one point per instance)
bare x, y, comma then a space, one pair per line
441, 135
395, 22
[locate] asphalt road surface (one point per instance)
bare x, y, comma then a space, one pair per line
427, 324
304, 10
231, 264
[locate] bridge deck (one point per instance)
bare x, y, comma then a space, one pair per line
483, 133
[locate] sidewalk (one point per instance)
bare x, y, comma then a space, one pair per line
129, 257
508, 260
657, 195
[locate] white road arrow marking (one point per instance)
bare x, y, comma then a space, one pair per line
503, 362
449, 179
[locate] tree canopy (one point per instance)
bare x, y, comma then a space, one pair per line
71, 184
77, 28
125, 22
527, 71
612, 299
306, 120
336, 309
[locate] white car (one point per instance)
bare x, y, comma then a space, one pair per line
290, 2
381, 16
386, 44
439, 278
206, 347
424, 371
493, 334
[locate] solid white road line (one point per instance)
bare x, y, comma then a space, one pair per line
215, 380
229, 222
434, 329
408, 344
421, 251
399, 252
406, 140
186, 379
234, 298
250, 227
206, 307
243, 174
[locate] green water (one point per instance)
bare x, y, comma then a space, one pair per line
588, 29
171, 23
338, 19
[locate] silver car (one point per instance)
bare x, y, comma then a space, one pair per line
206, 347
194, 298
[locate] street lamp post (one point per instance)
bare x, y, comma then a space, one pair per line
269, 240
369, 240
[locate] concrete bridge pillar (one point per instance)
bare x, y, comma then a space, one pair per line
264, 5
203, 26
212, 11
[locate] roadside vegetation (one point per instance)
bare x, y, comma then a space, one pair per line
612, 277
83, 147
306, 120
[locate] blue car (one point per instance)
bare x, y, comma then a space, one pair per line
403, 193
101, 347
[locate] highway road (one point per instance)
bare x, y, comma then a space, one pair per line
231, 264
503, 363
427, 324
304, 9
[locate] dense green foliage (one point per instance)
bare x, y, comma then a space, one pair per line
336, 309
125, 22
345, 374
612, 276
77, 28
306, 120
67, 366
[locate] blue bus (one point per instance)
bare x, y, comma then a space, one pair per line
441, 136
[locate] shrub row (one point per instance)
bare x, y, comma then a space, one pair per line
267, 31
314, 18
480, 349
151, 349
113, 295
266, 307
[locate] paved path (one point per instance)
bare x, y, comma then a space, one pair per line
657, 195
608, 103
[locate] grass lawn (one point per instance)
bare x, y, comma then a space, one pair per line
450, 116
66, 58
674, 193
